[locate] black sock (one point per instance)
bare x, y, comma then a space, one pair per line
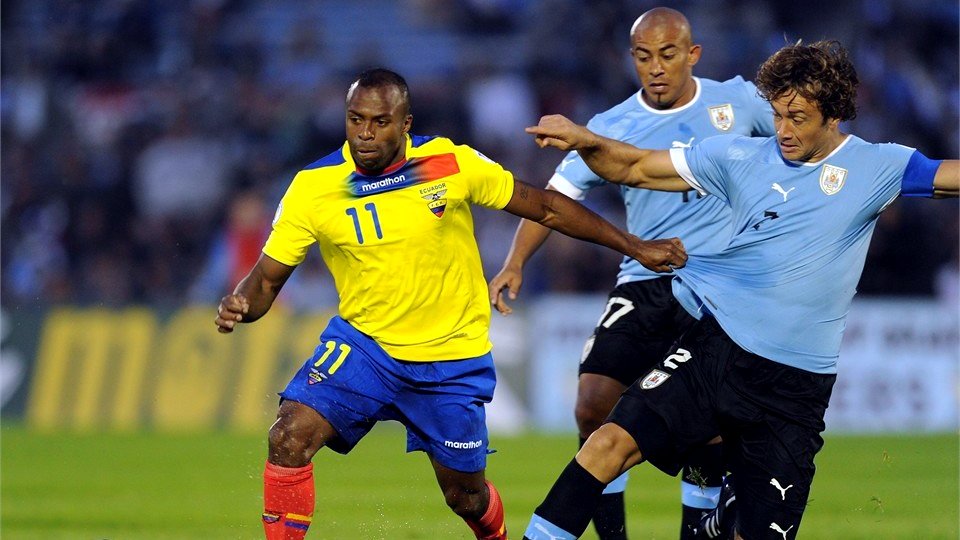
689, 520
705, 468
572, 500
610, 520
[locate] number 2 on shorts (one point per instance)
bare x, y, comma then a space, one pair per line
682, 355
331, 345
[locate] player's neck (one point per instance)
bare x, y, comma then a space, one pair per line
830, 144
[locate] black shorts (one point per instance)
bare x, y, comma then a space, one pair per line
642, 319
770, 416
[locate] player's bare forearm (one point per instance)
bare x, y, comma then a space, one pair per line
254, 295
528, 238
561, 213
946, 183
612, 160
526, 241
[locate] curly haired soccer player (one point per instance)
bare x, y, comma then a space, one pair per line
642, 319
759, 365
391, 214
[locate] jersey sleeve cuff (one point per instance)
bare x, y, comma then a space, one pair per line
280, 258
919, 175
679, 160
566, 187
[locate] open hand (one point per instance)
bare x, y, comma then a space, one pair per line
508, 278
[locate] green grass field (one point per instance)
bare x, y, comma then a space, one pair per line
149, 486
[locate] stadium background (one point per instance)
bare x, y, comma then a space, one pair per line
146, 142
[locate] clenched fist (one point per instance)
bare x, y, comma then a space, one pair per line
231, 311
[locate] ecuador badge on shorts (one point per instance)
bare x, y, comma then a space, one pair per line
654, 379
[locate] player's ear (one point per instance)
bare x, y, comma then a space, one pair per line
694, 55
407, 123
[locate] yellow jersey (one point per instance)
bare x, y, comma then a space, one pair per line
400, 245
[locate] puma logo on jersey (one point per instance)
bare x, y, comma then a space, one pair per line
783, 490
777, 528
779, 189
678, 144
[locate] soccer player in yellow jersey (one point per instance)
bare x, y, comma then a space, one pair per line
390, 212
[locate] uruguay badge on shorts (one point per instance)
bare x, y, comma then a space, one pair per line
721, 116
832, 179
654, 379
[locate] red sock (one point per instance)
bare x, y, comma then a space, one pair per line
288, 498
491, 525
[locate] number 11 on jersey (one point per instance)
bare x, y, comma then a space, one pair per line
372, 208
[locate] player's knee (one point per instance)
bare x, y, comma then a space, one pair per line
596, 396
467, 503
610, 439
608, 452
288, 446
589, 417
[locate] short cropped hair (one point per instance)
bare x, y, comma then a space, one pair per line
380, 77
820, 72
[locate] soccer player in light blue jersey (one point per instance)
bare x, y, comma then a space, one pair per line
641, 319
759, 365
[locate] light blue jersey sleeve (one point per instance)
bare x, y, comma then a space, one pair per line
704, 166
573, 177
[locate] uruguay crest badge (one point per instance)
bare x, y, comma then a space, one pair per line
654, 379
832, 179
721, 116
436, 203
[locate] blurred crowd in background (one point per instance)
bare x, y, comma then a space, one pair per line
146, 143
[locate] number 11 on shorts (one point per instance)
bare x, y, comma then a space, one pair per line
330, 346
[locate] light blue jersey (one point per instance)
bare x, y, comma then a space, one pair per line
783, 286
702, 223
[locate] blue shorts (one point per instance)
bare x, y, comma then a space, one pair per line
353, 383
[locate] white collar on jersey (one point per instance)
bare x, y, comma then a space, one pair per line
819, 161
696, 98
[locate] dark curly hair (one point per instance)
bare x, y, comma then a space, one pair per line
820, 72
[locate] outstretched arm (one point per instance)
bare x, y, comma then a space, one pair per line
557, 211
612, 160
254, 294
946, 183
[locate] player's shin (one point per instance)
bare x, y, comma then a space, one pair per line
569, 505
491, 526
610, 519
288, 501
